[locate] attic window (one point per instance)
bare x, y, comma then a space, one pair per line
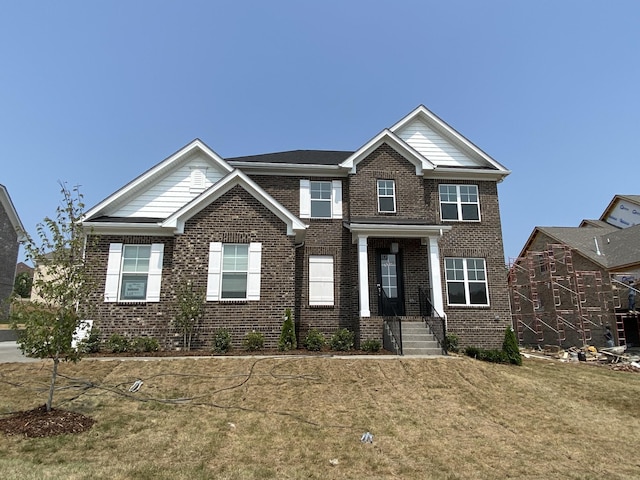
198, 179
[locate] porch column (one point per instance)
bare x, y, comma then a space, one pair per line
363, 276
436, 277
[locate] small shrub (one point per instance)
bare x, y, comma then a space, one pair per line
494, 356
144, 345
451, 343
510, 347
314, 341
371, 345
253, 341
287, 339
342, 340
92, 343
222, 341
118, 344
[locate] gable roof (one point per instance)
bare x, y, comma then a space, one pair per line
7, 204
176, 221
409, 137
154, 174
295, 157
608, 246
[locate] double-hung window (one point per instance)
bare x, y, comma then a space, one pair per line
386, 196
134, 273
320, 280
466, 281
320, 199
459, 203
234, 271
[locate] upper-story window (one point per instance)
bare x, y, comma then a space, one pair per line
459, 203
386, 196
320, 199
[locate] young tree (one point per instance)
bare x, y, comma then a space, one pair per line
189, 309
62, 287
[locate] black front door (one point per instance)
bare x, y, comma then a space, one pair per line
391, 302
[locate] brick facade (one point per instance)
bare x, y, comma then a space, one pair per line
9, 247
240, 217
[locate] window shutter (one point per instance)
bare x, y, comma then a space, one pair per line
214, 271
305, 199
336, 198
155, 272
113, 273
253, 276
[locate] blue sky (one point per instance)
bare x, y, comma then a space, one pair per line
95, 93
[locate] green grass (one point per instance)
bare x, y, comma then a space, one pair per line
243, 418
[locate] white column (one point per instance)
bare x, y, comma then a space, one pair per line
363, 276
435, 274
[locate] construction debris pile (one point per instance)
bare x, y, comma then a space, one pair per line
616, 358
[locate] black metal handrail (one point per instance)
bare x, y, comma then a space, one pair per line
432, 319
392, 329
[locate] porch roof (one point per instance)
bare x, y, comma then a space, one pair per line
396, 230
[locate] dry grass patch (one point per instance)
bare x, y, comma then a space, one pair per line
243, 418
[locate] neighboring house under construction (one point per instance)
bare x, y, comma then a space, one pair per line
570, 283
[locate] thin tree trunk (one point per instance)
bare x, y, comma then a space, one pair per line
54, 374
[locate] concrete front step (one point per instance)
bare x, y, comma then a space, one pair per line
417, 339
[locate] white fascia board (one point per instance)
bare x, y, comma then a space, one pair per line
290, 169
156, 172
395, 230
11, 212
387, 136
436, 122
176, 221
467, 174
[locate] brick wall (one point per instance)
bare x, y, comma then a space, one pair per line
9, 247
236, 217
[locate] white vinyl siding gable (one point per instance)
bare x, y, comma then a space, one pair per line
434, 146
326, 194
237, 273
149, 271
172, 192
321, 283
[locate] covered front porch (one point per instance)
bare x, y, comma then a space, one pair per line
399, 274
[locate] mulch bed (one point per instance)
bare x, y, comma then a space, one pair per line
40, 423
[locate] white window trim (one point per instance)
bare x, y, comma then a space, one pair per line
328, 299
459, 203
114, 274
393, 195
214, 273
466, 282
336, 199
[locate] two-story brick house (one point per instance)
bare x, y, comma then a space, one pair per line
325, 233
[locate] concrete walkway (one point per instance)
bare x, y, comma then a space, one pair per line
9, 352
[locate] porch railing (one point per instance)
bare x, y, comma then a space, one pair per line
432, 319
392, 324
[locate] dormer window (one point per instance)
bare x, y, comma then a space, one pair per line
386, 196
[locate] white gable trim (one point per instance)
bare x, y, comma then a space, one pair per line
435, 122
155, 173
395, 142
294, 225
10, 210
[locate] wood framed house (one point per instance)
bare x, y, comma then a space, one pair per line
405, 228
11, 235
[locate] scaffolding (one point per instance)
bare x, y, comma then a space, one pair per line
554, 302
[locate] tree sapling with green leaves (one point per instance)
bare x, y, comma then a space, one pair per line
47, 325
